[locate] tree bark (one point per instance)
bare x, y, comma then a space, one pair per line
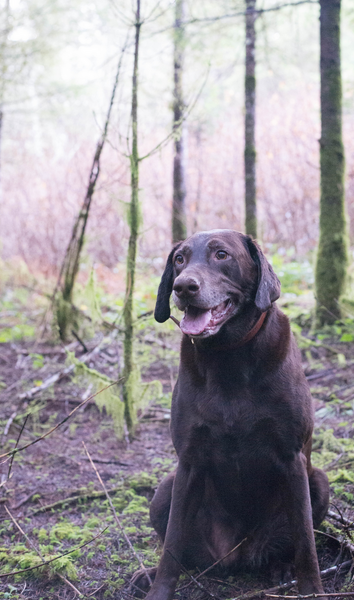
128, 383
3, 68
179, 220
250, 110
332, 249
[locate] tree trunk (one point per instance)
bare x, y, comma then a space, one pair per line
332, 249
3, 68
1, 121
250, 102
128, 384
179, 221
198, 139
71, 262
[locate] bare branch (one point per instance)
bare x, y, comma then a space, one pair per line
120, 526
193, 579
324, 595
183, 119
47, 562
217, 18
15, 450
290, 584
39, 553
212, 566
17, 441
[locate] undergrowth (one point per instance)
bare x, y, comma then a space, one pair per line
108, 562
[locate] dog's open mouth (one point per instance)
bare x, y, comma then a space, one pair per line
201, 321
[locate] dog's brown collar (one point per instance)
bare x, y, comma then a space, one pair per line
253, 332
250, 335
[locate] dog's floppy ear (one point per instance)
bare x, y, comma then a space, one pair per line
162, 308
268, 283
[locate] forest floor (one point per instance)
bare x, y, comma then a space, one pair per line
53, 503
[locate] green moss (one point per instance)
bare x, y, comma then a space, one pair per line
93, 522
141, 481
131, 530
66, 316
332, 255
139, 504
341, 475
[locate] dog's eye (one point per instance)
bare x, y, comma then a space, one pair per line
179, 259
221, 255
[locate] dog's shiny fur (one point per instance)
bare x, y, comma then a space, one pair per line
241, 423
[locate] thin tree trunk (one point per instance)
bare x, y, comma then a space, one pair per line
332, 249
250, 109
71, 262
179, 220
198, 140
128, 384
1, 124
3, 47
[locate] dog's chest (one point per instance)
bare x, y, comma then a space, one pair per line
236, 431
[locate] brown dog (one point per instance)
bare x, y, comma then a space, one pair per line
242, 421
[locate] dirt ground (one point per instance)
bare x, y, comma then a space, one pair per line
56, 503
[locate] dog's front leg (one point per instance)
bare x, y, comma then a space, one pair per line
187, 493
298, 506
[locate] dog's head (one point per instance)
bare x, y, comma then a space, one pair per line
212, 276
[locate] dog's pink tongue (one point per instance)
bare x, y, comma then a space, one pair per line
195, 320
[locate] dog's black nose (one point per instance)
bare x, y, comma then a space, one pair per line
186, 286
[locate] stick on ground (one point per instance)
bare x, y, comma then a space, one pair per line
15, 450
120, 526
212, 566
47, 562
39, 554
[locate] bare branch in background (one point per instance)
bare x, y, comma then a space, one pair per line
70, 265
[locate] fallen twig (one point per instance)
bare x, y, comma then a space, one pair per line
39, 553
120, 526
17, 441
290, 584
109, 461
71, 500
193, 579
324, 595
22, 502
343, 543
9, 423
47, 383
340, 519
79, 340
328, 372
57, 376
212, 566
47, 562
98, 589
15, 450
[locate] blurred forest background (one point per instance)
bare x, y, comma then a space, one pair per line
60, 346
58, 62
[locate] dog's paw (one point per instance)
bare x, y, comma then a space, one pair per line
139, 583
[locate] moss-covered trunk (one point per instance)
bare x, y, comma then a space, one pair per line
250, 113
129, 371
179, 220
332, 249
